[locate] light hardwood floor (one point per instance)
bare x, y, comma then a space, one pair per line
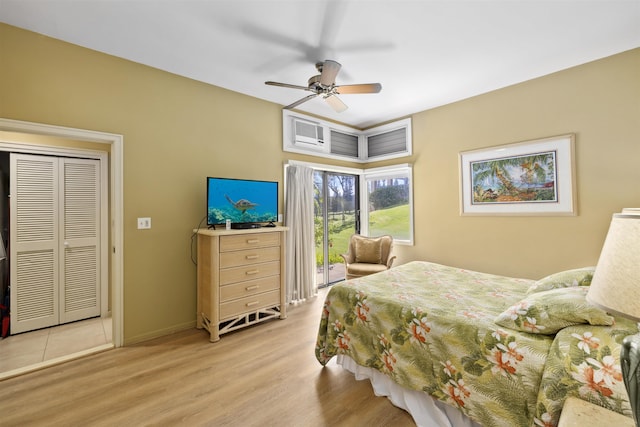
266, 375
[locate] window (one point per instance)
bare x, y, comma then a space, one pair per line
335, 220
316, 137
344, 144
389, 141
387, 203
385, 199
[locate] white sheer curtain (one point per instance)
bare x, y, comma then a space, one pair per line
300, 237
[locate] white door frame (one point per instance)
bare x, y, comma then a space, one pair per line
115, 195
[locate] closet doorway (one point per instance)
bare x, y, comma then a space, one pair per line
106, 149
57, 252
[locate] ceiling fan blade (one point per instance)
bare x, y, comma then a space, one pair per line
335, 103
287, 85
329, 72
300, 101
361, 88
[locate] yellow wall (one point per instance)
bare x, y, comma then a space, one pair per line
178, 131
599, 102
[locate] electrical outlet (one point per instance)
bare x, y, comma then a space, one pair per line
144, 223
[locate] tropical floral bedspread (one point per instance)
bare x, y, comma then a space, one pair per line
432, 328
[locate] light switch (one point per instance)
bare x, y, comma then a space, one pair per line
144, 223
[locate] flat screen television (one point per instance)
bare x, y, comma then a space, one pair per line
246, 203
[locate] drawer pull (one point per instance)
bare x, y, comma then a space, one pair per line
253, 241
252, 288
252, 272
252, 256
249, 304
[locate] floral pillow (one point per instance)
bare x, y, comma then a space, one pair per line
563, 279
549, 311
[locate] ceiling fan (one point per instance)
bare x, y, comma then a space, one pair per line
324, 84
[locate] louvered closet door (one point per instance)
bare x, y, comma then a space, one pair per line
80, 238
55, 216
34, 242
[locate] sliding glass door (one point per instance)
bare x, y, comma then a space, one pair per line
337, 217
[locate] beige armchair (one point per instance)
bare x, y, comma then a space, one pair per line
368, 255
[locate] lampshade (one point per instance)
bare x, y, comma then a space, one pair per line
616, 282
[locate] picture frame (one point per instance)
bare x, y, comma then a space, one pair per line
534, 177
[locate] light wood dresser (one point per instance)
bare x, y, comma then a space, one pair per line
241, 278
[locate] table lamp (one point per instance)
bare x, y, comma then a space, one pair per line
616, 288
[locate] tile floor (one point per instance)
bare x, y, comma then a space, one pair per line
30, 348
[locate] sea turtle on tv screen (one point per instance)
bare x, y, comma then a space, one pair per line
242, 205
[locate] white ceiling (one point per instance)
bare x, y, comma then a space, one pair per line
424, 53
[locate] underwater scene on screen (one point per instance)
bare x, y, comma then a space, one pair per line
241, 201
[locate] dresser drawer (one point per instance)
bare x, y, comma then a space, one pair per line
249, 272
248, 288
249, 304
241, 279
249, 256
247, 241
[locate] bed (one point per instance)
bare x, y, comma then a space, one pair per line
476, 348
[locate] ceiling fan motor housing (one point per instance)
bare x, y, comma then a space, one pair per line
316, 86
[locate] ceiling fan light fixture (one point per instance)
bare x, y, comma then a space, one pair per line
328, 73
335, 103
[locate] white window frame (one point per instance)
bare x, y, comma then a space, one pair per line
386, 172
396, 125
324, 149
400, 170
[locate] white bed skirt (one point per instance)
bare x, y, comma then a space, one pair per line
426, 411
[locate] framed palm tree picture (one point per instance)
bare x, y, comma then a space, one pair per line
527, 178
